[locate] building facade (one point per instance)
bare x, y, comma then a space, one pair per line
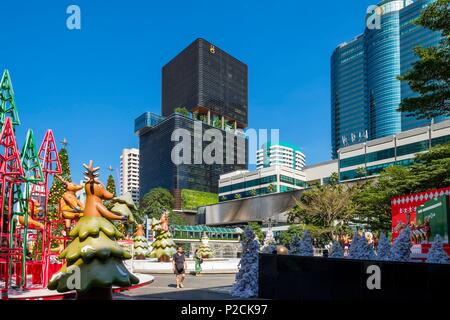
376, 155
365, 92
129, 173
273, 179
212, 86
321, 173
280, 154
157, 149
208, 82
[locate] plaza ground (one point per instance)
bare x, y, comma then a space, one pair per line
204, 287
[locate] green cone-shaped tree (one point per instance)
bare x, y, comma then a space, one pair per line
111, 185
57, 189
205, 251
163, 246
93, 258
141, 247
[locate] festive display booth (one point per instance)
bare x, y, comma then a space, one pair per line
25, 228
427, 214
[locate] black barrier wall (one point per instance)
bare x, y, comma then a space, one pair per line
315, 278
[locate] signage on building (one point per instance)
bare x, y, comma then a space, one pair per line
411, 210
434, 216
354, 137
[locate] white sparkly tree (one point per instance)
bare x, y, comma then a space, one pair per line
384, 248
437, 253
336, 250
360, 249
306, 247
401, 251
294, 245
246, 283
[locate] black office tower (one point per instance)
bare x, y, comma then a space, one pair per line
208, 82
212, 86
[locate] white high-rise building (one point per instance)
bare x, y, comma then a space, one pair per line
280, 155
129, 173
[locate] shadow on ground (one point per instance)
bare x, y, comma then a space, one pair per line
206, 287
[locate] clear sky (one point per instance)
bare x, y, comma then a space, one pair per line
89, 85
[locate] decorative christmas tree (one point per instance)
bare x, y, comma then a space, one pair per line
7, 102
93, 258
269, 242
401, 251
336, 250
124, 206
437, 253
163, 246
111, 185
356, 248
306, 247
294, 245
58, 188
246, 283
205, 250
384, 248
141, 247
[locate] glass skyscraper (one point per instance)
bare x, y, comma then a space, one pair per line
365, 92
212, 86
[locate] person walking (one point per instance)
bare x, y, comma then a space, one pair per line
179, 266
198, 263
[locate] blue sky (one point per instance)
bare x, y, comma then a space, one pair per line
89, 85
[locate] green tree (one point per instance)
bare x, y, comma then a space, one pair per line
155, 202
430, 75
293, 230
373, 199
57, 189
183, 111
111, 185
256, 228
327, 207
430, 170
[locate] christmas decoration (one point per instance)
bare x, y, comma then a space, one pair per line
336, 250
163, 246
269, 242
204, 251
111, 185
7, 102
384, 248
306, 247
58, 187
437, 254
401, 251
359, 248
282, 250
246, 282
69, 207
294, 245
123, 206
141, 247
94, 255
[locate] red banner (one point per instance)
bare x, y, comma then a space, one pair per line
404, 208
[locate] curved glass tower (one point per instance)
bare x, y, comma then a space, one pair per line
365, 92
382, 49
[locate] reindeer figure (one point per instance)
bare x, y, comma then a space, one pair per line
69, 206
164, 221
34, 207
95, 194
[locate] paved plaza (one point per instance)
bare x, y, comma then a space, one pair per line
204, 287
